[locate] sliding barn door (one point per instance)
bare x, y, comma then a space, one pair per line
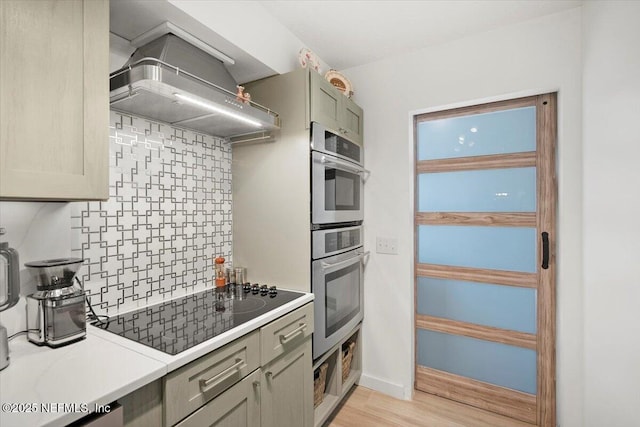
485, 256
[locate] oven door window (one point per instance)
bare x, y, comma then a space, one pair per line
344, 148
341, 190
342, 297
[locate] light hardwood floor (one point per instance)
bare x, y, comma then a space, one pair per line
366, 407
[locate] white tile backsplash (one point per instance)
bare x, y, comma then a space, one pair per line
168, 215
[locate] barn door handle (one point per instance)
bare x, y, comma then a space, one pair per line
545, 250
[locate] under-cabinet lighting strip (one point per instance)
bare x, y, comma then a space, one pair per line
215, 109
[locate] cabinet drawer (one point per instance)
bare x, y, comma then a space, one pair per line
237, 407
286, 333
188, 388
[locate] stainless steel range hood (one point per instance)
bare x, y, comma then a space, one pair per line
172, 81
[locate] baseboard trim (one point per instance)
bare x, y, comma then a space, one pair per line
384, 386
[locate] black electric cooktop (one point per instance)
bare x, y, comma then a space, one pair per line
177, 325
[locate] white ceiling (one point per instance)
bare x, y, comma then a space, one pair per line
349, 33
344, 33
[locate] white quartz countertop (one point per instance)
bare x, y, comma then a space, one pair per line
95, 371
39, 381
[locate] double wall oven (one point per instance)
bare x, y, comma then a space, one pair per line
337, 179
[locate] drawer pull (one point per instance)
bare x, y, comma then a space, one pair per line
206, 385
286, 338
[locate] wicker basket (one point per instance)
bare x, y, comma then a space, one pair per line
319, 381
347, 357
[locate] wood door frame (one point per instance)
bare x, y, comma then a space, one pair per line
539, 409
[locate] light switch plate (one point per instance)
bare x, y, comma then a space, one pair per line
387, 245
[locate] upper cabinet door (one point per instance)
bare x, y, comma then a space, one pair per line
54, 99
351, 120
325, 102
334, 110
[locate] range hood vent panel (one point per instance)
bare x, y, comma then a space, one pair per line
171, 81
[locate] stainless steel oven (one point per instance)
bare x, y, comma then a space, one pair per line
337, 178
337, 282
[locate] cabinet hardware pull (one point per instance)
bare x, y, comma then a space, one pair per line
545, 250
286, 338
206, 385
268, 374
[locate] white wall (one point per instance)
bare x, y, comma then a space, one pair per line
611, 212
532, 57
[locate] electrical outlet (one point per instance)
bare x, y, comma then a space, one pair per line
386, 245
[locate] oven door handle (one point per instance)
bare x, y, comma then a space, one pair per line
344, 165
360, 256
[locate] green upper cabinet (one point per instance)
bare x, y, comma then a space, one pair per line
351, 119
334, 110
54, 100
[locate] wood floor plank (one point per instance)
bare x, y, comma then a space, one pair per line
366, 407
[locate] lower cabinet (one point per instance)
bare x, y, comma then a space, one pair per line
143, 407
287, 389
263, 379
237, 407
277, 395
190, 387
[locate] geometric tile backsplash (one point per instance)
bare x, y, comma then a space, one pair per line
167, 217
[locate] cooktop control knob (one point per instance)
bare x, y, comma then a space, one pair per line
255, 289
273, 291
246, 287
264, 290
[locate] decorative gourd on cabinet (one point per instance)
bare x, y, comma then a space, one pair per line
54, 100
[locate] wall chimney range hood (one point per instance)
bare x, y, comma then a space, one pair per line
172, 81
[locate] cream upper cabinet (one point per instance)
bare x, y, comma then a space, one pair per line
334, 110
54, 99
